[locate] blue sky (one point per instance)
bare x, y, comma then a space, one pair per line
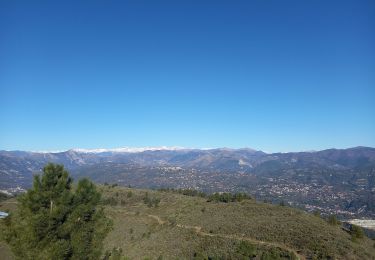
271, 75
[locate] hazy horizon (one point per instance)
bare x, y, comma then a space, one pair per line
134, 149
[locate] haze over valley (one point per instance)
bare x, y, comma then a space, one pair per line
333, 181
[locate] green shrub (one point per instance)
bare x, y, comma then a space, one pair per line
3, 196
228, 197
246, 249
186, 192
151, 202
277, 253
356, 232
115, 254
332, 220
316, 213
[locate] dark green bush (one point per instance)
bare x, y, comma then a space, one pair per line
228, 197
151, 202
356, 232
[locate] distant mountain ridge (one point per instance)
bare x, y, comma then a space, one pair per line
23, 163
118, 150
179, 155
129, 149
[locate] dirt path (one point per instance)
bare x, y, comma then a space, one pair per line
158, 219
198, 230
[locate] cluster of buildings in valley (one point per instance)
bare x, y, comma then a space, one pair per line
291, 187
311, 196
12, 191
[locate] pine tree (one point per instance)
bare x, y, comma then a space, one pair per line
54, 221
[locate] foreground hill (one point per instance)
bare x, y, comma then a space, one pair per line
166, 225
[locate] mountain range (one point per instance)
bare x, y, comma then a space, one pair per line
340, 181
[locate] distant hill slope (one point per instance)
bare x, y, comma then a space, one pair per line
334, 181
163, 225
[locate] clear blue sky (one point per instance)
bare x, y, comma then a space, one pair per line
271, 75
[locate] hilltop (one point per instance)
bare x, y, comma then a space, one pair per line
167, 225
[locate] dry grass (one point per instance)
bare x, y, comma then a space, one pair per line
274, 225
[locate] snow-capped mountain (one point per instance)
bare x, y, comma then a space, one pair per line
129, 149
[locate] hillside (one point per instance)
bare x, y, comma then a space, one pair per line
165, 225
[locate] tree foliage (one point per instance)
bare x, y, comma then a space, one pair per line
186, 192
3, 196
55, 221
151, 201
228, 197
356, 232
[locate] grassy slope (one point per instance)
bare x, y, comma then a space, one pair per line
7, 206
5, 253
181, 227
